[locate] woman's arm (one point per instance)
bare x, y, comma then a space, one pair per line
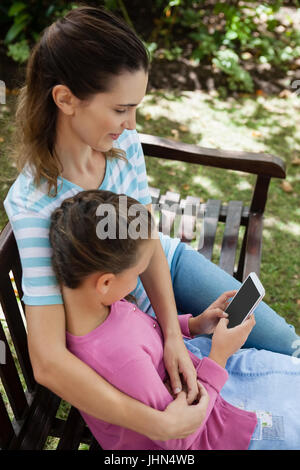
158, 285
63, 373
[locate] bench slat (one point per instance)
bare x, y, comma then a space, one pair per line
169, 205
73, 430
231, 235
154, 193
11, 381
16, 327
190, 207
95, 445
210, 224
253, 245
7, 431
37, 425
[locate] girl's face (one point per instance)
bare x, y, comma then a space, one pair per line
101, 120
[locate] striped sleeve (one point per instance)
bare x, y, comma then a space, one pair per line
39, 283
142, 179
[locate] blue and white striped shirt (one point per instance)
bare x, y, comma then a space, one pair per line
29, 209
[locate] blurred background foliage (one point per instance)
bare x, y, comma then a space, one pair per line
231, 37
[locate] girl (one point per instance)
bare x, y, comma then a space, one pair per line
76, 127
97, 269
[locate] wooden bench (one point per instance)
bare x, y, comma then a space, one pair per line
28, 411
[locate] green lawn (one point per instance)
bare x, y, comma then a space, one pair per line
259, 124
268, 124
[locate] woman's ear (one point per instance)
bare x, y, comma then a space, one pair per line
64, 99
104, 283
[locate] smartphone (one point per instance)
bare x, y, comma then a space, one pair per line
245, 300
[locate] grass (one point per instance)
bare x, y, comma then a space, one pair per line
257, 124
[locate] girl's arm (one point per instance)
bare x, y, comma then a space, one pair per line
140, 379
63, 373
158, 285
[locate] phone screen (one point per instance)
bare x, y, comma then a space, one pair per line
242, 303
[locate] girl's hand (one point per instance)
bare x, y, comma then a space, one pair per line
226, 342
183, 419
178, 362
206, 322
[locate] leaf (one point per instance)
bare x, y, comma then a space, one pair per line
175, 133
256, 134
148, 117
298, 302
285, 94
183, 128
16, 8
287, 187
296, 161
14, 31
1, 139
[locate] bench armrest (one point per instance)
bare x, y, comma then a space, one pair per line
258, 163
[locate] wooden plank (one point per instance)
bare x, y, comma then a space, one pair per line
257, 163
95, 446
154, 193
187, 227
16, 327
38, 422
11, 381
260, 194
72, 432
7, 432
169, 205
244, 218
7, 248
230, 237
210, 224
253, 245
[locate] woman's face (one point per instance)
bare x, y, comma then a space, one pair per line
101, 120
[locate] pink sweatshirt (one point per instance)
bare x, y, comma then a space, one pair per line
127, 350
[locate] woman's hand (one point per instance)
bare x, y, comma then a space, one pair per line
226, 341
183, 419
178, 362
206, 322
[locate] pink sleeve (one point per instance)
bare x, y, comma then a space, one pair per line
140, 379
212, 377
184, 324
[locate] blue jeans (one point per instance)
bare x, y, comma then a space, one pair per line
267, 383
197, 282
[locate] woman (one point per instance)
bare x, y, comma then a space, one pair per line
76, 118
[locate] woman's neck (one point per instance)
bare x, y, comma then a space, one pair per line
81, 164
83, 310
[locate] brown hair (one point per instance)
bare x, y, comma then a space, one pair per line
79, 251
83, 50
